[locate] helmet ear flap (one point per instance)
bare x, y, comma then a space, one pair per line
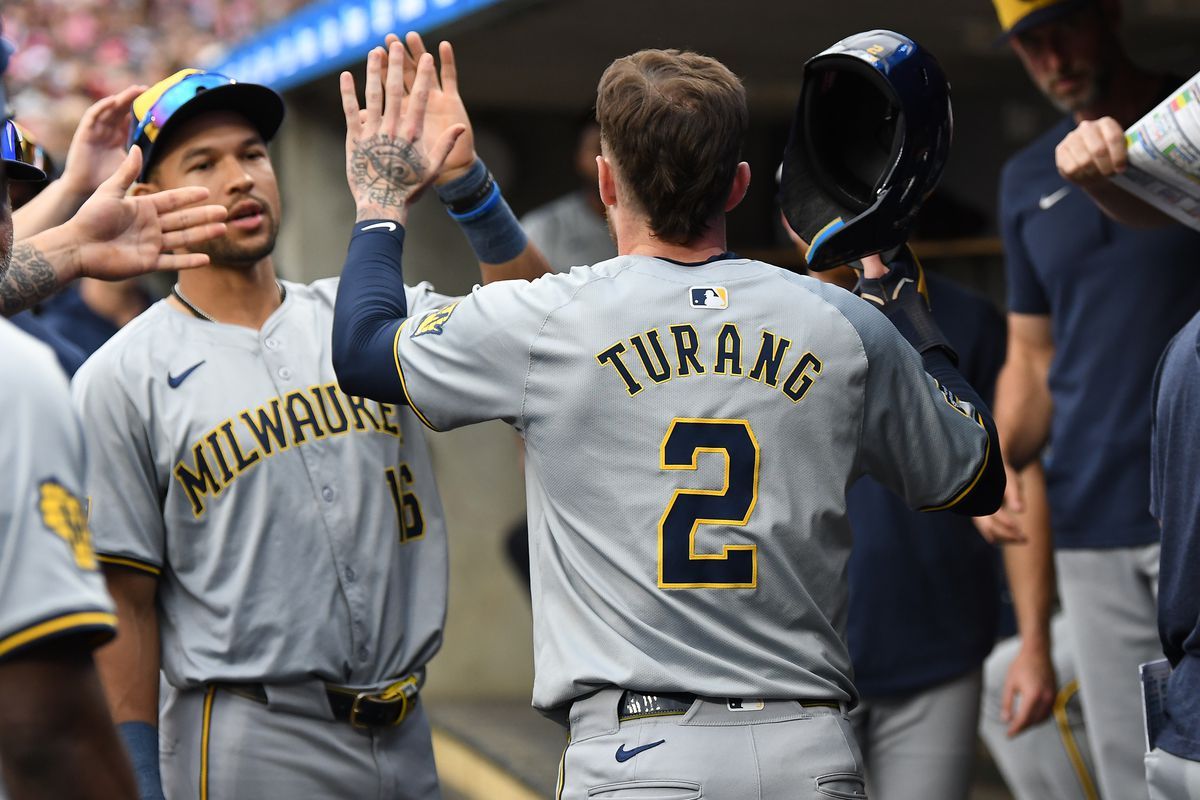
868, 144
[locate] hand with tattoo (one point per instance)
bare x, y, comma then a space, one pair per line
389, 158
112, 237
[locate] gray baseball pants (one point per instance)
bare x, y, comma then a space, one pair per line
782, 750
1109, 598
1051, 759
216, 745
922, 745
1171, 777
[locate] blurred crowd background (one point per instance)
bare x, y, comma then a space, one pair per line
70, 53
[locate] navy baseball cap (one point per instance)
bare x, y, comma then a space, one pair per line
24, 159
1019, 16
191, 92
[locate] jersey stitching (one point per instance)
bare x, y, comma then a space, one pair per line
403, 382
546, 321
862, 406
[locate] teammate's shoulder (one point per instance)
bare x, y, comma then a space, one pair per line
867, 322
24, 353
324, 290
145, 339
34, 373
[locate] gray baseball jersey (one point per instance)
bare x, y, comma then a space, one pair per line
691, 432
50, 585
296, 531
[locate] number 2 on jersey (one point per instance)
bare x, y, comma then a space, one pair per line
679, 565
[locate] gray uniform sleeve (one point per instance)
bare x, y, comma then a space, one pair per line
917, 438
127, 516
50, 585
467, 361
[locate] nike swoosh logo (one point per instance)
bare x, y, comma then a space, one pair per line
174, 380
1047, 200
624, 755
391, 226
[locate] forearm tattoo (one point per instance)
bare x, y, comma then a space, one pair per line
385, 171
29, 278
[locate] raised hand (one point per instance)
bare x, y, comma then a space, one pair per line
97, 150
389, 158
121, 236
445, 107
113, 236
98, 146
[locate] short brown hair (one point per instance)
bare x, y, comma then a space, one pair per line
674, 122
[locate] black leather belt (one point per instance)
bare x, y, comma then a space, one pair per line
637, 705
383, 709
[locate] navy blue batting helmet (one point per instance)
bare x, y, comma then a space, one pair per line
867, 147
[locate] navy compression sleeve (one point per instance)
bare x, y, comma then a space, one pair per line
986, 495
371, 306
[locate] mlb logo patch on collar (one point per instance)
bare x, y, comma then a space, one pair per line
709, 297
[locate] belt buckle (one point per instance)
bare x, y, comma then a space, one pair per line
389, 696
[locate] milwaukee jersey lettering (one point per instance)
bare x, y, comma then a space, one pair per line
295, 530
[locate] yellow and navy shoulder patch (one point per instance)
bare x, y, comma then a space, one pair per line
63, 514
433, 322
961, 406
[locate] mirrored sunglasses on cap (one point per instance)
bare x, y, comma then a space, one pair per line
156, 105
24, 159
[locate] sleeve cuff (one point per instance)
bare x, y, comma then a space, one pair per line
102, 625
132, 563
966, 490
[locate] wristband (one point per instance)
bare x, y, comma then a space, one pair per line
141, 742
467, 194
474, 201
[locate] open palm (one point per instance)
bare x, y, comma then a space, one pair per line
445, 107
391, 155
121, 236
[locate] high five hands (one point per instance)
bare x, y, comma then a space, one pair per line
409, 131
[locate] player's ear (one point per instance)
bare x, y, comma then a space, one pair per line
141, 189
607, 181
739, 187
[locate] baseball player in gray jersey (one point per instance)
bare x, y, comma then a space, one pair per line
53, 607
56, 735
274, 544
687, 459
